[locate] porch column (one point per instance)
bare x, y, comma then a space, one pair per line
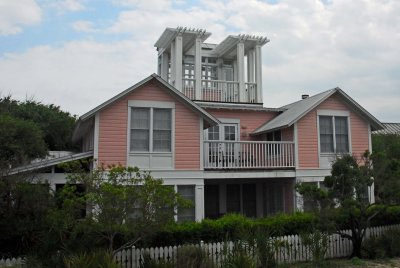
197, 69
240, 64
164, 66
173, 60
250, 66
222, 199
178, 62
199, 200
258, 73
260, 199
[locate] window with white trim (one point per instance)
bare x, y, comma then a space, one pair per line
333, 134
151, 129
187, 192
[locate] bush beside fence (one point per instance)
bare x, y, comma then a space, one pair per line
293, 251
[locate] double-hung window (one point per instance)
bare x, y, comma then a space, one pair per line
333, 134
151, 129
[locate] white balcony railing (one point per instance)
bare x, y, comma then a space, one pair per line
248, 155
188, 88
219, 91
251, 92
222, 91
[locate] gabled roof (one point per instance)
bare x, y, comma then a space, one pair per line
295, 111
164, 85
389, 129
50, 161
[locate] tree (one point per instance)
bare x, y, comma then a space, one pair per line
29, 129
386, 158
56, 125
20, 141
23, 211
345, 199
126, 201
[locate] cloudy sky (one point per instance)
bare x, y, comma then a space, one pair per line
78, 53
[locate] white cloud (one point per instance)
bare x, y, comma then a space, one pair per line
67, 5
14, 15
77, 76
84, 26
314, 47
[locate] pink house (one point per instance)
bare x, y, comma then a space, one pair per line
200, 125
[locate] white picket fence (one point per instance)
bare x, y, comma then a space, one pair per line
14, 262
294, 250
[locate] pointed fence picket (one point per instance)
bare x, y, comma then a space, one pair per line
14, 262
291, 249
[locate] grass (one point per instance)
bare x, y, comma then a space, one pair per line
352, 263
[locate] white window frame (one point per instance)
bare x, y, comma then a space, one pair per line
334, 113
225, 122
152, 105
178, 215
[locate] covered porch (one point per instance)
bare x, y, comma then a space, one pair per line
255, 198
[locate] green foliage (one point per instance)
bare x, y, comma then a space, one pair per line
20, 141
386, 158
349, 180
385, 246
356, 261
93, 259
56, 125
190, 256
23, 210
229, 227
126, 202
148, 262
345, 202
29, 129
239, 256
316, 244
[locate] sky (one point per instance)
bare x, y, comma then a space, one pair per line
79, 53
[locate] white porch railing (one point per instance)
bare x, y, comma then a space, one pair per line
248, 154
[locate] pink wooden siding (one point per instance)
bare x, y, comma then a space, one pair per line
114, 123
287, 134
249, 120
308, 141
307, 132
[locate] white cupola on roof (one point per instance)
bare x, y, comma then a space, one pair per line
212, 72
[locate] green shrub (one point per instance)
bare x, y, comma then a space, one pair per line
388, 215
385, 246
229, 228
190, 256
93, 259
239, 257
150, 263
316, 244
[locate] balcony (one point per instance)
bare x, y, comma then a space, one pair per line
220, 91
232, 155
